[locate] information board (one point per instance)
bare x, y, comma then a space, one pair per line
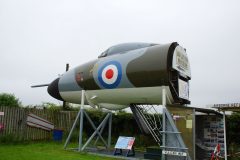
183, 89
125, 142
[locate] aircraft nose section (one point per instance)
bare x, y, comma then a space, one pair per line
53, 90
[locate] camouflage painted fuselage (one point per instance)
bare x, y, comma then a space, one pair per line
135, 76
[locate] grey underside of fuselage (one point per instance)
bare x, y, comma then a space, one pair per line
121, 96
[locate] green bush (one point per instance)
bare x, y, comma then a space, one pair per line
9, 100
233, 129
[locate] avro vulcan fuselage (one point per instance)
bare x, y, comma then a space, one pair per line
131, 73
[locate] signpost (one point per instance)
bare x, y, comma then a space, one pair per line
125, 143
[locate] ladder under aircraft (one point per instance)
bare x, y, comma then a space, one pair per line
163, 130
148, 120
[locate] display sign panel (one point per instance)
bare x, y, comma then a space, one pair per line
180, 61
183, 89
125, 142
174, 153
1, 113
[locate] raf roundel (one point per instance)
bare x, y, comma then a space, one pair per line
110, 74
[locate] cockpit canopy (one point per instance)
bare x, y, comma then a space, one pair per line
122, 48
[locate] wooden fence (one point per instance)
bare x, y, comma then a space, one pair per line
14, 122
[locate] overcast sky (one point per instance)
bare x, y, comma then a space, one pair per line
37, 39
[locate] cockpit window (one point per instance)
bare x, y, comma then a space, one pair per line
121, 48
104, 54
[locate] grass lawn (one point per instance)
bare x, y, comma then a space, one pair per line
42, 151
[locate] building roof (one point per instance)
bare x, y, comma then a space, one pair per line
199, 109
235, 107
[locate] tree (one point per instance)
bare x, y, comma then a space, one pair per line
9, 100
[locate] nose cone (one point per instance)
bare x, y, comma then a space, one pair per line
53, 90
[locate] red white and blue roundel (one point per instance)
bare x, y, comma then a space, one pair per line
110, 74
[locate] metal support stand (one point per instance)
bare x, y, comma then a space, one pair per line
225, 137
164, 120
97, 130
173, 147
81, 122
194, 134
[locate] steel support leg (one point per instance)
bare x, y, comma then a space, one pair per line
81, 122
96, 132
109, 131
70, 134
102, 125
164, 120
225, 137
98, 136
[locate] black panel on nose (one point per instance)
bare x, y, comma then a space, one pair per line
54, 91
